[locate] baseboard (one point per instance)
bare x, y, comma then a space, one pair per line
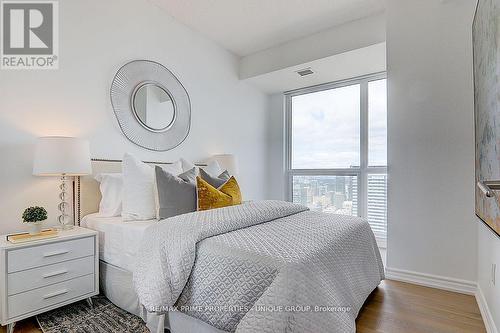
433, 281
485, 312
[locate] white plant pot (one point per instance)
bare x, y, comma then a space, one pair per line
35, 228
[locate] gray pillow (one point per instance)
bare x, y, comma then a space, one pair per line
176, 194
189, 176
215, 181
225, 175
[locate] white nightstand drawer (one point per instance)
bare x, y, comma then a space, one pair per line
43, 297
47, 254
43, 276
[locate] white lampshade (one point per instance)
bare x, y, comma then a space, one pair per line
227, 162
57, 155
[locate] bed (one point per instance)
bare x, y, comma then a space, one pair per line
264, 266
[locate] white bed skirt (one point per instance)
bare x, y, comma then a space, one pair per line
116, 284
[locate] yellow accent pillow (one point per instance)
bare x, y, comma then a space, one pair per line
209, 197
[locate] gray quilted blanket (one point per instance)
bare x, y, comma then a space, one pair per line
265, 266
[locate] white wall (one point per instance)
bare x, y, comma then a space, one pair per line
96, 38
489, 253
276, 148
432, 228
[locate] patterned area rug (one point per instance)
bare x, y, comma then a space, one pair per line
105, 317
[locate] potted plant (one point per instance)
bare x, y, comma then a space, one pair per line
34, 217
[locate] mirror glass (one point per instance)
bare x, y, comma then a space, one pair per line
153, 107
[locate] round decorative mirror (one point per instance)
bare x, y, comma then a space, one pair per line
151, 105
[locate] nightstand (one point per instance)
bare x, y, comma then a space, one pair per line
42, 275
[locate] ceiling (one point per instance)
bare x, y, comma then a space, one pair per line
248, 26
362, 61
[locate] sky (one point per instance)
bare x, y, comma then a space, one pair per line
326, 127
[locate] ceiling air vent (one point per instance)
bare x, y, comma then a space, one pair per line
305, 72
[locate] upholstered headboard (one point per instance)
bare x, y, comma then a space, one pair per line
87, 195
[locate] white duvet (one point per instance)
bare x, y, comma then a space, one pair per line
266, 266
118, 241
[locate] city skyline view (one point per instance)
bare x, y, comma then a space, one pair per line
326, 127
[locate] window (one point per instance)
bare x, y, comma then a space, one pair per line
325, 129
337, 149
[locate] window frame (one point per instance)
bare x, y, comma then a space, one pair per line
361, 172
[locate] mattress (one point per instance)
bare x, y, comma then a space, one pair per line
118, 240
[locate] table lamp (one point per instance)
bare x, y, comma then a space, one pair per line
63, 157
227, 162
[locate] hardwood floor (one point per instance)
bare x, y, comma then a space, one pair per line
396, 307
26, 326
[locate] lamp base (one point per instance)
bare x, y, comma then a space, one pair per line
63, 219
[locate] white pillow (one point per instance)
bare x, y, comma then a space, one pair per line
186, 165
139, 193
111, 186
174, 168
213, 168
138, 190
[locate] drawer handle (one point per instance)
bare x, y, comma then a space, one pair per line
64, 271
57, 293
55, 253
